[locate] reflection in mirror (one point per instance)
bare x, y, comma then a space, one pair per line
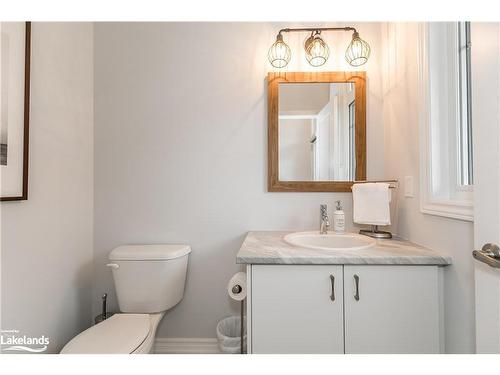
317, 131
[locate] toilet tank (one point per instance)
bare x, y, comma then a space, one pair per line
149, 278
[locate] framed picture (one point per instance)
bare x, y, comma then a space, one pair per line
15, 48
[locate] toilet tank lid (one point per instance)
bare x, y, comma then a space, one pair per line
149, 252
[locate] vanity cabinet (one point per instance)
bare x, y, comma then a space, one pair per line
397, 309
344, 309
297, 309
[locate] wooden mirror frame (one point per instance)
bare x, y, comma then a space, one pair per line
26, 121
273, 81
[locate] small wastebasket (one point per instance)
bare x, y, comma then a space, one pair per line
228, 335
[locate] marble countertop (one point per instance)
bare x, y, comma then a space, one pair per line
270, 248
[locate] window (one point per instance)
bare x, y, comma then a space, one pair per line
446, 126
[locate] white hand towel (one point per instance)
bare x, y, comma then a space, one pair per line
371, 203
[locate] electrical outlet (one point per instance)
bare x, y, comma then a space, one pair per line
409, 189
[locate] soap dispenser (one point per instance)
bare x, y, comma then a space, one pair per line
338, 219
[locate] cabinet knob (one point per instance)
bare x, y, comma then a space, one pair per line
356, 280
332, 279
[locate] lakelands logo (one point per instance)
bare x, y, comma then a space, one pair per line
12, 341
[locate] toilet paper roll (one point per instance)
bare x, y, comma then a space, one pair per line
238, 279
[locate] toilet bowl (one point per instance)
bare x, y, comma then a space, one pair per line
149, 280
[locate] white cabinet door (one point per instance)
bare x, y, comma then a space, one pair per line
394, 309
297, 309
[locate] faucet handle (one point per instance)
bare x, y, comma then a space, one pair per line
323, 208
324, 222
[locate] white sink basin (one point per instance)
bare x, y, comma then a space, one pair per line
330, 241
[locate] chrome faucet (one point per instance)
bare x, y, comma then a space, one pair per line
325, 223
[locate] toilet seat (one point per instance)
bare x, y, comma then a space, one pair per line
119, 334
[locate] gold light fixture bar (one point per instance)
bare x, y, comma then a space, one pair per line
317, 51
288, 30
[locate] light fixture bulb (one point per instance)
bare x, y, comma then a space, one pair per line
358, 51
279, 54
317, 50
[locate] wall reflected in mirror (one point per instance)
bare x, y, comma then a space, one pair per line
317, 132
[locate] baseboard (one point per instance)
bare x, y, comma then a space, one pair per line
193, 345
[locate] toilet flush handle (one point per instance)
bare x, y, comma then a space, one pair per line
113, 265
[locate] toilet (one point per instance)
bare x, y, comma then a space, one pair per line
149, 280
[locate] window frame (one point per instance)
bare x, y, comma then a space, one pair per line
466, 177
441, 190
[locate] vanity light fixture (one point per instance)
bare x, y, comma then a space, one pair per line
279, 54
317, 51
358, 51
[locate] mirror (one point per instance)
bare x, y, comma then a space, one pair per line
317, 138
316, 131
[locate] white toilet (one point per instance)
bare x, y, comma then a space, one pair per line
149, 280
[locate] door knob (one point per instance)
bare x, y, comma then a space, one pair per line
491, 250
489, 254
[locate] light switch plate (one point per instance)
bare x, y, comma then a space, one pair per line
409, 191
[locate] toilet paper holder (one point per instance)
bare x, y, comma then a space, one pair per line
236, 289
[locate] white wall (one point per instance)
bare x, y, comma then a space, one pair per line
451, 236
46, 251
180, 150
